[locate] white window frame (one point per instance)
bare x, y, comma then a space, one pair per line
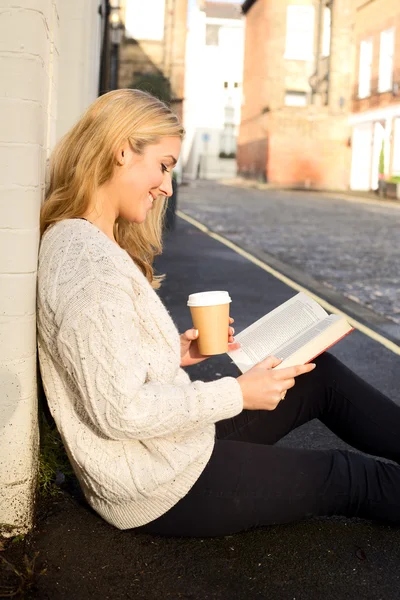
365, 67
300, 30
326, 34
386, 60
296, 98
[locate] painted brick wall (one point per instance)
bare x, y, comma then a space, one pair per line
28, 56
370, 19
42, 43
305, 146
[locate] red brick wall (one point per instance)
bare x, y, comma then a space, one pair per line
370, 20
300, 146
312, 153
252, 159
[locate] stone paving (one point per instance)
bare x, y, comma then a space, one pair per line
351, 246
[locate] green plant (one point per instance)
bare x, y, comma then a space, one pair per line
54, 466
26, 577
382, 160
394, 179
18, 538
154, 83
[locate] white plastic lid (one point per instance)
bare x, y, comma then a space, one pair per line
208, 298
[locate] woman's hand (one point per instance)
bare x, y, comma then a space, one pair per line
190, 354
263, 388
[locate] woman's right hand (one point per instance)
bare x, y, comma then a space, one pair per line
263, 388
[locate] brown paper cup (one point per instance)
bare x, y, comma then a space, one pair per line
212, 323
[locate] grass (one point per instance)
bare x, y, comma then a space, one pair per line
54, 466
23, 579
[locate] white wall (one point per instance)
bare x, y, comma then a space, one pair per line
35, 40
206, 70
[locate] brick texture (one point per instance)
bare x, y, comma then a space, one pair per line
302, 146
30, 118
370, 19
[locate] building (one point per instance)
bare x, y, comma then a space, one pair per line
376, 94
49, 73
152, 53
298, 66
213, 90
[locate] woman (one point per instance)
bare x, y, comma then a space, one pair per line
150, 448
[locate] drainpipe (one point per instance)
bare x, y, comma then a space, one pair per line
314, 76
328, 72
104, 77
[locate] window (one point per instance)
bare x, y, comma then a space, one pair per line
212, 35
295, 98
299, 32
326, 32
386, 52
364, 74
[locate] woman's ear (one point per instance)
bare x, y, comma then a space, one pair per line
120, 159
121, 156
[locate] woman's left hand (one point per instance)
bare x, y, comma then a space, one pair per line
190, 354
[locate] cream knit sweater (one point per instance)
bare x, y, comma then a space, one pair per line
137, 431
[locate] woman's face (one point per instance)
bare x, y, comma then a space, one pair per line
141, 178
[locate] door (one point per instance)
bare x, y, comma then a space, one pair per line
361, 159
378, 144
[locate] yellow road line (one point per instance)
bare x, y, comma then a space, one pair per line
256, 261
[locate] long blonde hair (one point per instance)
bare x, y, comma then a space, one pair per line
84, 159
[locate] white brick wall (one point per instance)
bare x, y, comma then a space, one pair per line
49, 58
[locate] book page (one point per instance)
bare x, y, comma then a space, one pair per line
288, 349
273, 331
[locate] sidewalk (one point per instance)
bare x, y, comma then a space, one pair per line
350, 195
333, 559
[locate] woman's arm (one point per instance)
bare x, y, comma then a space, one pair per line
100, 349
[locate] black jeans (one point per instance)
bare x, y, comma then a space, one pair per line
249, 482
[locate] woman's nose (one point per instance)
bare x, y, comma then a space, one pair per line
166, 185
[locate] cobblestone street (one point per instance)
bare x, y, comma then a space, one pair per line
350, 246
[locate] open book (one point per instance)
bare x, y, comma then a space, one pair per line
297, 332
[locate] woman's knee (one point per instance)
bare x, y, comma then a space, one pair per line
328, 362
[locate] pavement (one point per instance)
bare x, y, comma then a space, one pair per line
348, 247
329, 559
352, 195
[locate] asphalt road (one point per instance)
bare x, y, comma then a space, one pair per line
351, 247
329, 559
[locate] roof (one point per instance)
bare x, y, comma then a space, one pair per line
222, 10
247, 4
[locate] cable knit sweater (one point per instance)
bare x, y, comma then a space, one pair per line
137, 431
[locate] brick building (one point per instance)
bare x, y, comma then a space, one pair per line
376, 96
153, 49
298, 67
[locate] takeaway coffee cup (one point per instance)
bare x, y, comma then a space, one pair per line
210, 315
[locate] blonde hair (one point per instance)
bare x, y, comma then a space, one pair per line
84, 159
